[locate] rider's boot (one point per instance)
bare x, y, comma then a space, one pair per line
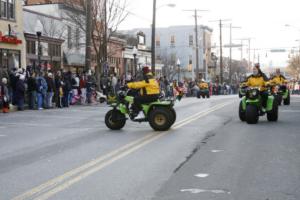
140, 115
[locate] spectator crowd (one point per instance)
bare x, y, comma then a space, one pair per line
45, 90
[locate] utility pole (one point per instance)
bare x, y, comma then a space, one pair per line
221, 53
88, 47
196, 39
197, 46
230, 54
249, 62
230, 50
204, 60
221, 50
153, 38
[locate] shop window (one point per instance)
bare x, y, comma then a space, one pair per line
9, 59
31, 47
7, 9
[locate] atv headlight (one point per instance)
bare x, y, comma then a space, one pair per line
121, 94
254, 93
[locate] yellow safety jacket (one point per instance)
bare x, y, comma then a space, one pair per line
203, 85
149, 88
256, 81
278, 80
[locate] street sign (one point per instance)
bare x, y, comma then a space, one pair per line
277, 50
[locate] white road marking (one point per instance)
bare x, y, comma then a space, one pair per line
216, 151
291, 111
197, 191
201, 175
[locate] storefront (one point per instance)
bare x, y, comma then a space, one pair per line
12, 43
50, 54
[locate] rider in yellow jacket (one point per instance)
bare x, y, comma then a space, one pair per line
258, 79
149, 92
278, 78
203, 85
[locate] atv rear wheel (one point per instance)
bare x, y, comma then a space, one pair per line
242, 113
272, 116
287, 101
160, 119
251, 114
278, 99
115, 120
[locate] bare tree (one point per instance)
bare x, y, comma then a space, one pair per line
52, 27
294, 67
107, 15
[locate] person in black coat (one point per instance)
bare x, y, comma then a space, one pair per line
31, 82
20, 92
67, 88
13, 79
58, 89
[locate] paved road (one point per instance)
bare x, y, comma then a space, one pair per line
70, 154
240, 161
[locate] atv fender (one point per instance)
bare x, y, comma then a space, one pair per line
270, 103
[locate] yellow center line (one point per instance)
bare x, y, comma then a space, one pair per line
60, 183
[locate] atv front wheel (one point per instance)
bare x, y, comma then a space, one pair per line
115, 120
173, 116
272, 116
159, 119
242, 113
251, 114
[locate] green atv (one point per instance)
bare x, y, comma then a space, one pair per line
251, 106
281, 93
203, 93
160, 114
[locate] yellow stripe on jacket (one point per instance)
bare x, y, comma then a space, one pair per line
151, 88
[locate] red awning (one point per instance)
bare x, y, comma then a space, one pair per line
9, 39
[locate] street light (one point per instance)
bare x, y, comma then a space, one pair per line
178, 65
39, 34
135, 52
153, 32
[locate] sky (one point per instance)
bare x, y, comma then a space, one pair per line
262, 20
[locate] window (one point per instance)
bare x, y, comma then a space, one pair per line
11, 9
190, 59
69, 37
77, 37
157, 41
7, 9
191, 38
9, 59
54, 50
31, 47
173, 57
3, 8
190, 66
172, 42
158, 57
